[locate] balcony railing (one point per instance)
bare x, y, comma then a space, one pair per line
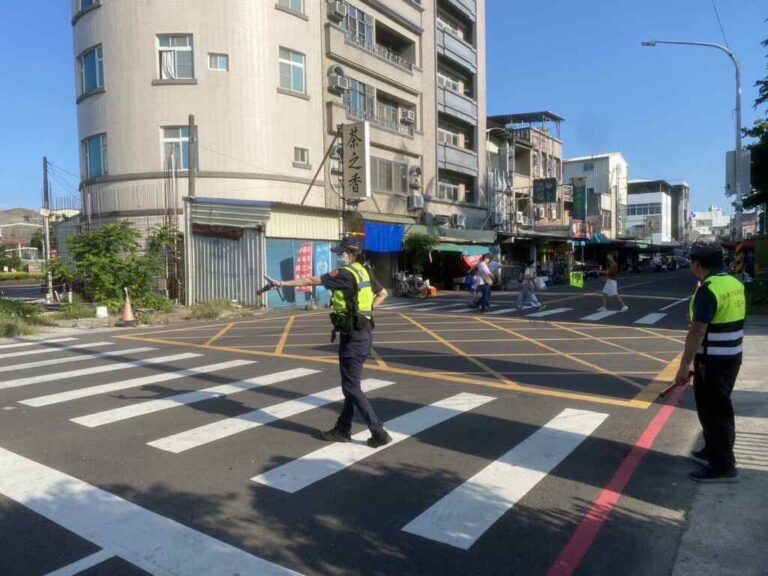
380, 121
383, 52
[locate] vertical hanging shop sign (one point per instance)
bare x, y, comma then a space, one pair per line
356, 161
580, 198
303, 265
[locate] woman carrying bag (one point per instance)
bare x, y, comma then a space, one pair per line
528, 290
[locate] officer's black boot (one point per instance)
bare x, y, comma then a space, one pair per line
335, 434
379, 439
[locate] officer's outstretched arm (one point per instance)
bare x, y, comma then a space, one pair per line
296, 283
380, 297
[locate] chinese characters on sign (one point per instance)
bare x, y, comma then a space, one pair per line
545, 190
303, 265
356, 159
577, 279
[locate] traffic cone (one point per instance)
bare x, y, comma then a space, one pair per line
128, 316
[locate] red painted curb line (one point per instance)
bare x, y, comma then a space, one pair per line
571, 556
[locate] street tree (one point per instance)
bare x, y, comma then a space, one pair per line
759, 148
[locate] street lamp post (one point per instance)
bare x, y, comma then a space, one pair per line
737, 157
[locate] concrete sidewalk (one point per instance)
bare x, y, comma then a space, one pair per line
728, 523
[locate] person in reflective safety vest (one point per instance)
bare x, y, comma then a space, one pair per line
714, 347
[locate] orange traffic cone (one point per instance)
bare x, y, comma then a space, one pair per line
128, 316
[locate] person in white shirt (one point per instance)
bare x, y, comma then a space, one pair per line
528, 290
485, 282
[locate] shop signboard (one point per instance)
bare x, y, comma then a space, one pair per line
545, 190
303, 265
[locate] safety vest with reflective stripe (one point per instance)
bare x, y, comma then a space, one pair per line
365, 294
725, 332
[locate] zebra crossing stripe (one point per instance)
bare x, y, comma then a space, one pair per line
307, 470
401, 306
546, 313
35, 343
151, 406
501, 311
230, 426
83, 564
133, 383
69, 359
461, 517
62, 349
600, 315
147, 540
433, 308
651, 318
97, 369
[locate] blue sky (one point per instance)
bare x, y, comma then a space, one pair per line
669, 110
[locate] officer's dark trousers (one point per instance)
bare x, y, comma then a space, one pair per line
353, 351
713, 384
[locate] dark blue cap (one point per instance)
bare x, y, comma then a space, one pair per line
348, 243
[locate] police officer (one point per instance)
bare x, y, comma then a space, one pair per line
714, 345
355, 294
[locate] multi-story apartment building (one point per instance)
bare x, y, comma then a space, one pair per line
649, 211
268, 82
712, 224
606, 181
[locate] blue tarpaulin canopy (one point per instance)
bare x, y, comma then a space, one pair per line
384, 237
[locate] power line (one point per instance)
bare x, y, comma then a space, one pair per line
722, 30
75, 176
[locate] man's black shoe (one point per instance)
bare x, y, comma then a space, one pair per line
701, 456
379, 439
706, 475
335, 435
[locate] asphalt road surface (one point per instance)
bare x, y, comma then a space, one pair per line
523, 444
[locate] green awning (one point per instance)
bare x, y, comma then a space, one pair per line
599, 239
454, 235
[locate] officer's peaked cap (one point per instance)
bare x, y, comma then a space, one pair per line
348, 243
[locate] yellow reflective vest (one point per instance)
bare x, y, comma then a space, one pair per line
365, 295
725, 333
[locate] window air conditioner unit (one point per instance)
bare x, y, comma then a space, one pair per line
415, 202
338, 84
497, 218
539, 212
458, 221
336, 151
553, 213
520, 218
337, 11
407, 116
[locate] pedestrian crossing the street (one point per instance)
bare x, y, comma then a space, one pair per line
457, 518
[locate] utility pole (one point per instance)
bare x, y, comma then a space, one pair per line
192, 172
46, 230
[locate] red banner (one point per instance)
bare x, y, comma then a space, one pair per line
303, 267
581, 229
470, 261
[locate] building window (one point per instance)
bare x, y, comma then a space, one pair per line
650, 209
469, 193
360, 98
359, 26
292, 5
448, 80
176, 146
387, 111
218, 62
301, 156
95, 156
607, 220
589, 166
389, 177
450, 25
448, 189
176, 57
91, 65
445, 136
292, 70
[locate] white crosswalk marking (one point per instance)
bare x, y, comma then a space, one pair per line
600, 315
35, 343
96, 369
546, 313
402, 306
502, 311
461, 517
62, 349
433, 308
70, 359
132, 383
651, 318
230, 426
151, 406
83, 564
155, 544
298, 474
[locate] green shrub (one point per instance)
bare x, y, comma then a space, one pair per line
12, 309
209, 310
20, 276
155, 301
10, 328
75, 311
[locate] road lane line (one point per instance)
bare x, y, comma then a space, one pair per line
675, 303
208, 433
35, 343
463, 516
651, 318
152, 406
307, 470
62, 349
284, 336
577, 547
151, 542
600, 315
96, 369
546, 313
69, 359
132, 383
83, 564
